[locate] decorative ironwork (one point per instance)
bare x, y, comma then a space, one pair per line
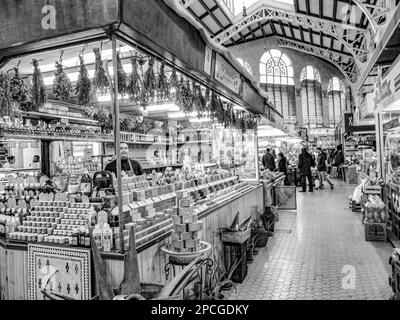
346, 34
332, 57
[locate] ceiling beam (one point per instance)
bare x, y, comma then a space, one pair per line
327, 27
201, 22
323, 54
262, 28
210, 12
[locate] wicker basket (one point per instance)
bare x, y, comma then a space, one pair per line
236, 237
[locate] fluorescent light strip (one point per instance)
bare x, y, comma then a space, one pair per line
169, 107
175, 115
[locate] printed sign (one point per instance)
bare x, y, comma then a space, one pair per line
388, 89
227, 75
208, 60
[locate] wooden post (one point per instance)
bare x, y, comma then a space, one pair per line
117, 139
256, 151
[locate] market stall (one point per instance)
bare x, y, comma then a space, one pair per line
189, 119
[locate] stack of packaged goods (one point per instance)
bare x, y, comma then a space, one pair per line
186, 235
56, 221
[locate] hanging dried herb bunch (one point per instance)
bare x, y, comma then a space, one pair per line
162, 85
173, 80
149, 81
5, 95
134, 82
20, 92
83, 86
122, 77
100, 81
187, 98
62, 86
199, 101
207, 99
179, 92
38, 88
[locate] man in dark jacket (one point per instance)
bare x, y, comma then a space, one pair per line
128, 166
306, 162
322, 169
268, 160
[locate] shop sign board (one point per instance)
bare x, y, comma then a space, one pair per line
391, 125
388, 89
25, 21
227, 75
208, 60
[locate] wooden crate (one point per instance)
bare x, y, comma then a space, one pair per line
232, 252
375, 232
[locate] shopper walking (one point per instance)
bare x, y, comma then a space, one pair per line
306, 161
322, 168
283, 167
268, 160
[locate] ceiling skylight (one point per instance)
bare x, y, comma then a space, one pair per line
239, 4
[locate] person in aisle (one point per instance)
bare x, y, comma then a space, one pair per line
10, 164
268, 160
322, 168
338, 161
306, 162
283, 167
128, 166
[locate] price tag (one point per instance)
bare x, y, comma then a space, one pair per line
157, 199
149, 201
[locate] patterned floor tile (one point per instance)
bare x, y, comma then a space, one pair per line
325, 248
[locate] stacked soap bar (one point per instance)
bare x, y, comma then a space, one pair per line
186, 236
53, 222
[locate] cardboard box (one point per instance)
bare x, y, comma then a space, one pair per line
176, 219
181, 228
190, 244
184, 203
196, 226
188, 218
178, 244
186, 236
186, 211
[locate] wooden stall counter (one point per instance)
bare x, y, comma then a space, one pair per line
14, 273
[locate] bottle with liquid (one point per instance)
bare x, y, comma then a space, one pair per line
107, 238
98, 236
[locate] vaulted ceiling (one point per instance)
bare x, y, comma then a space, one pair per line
340, 31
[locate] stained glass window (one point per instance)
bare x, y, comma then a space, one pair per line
310, 73
276, 68
335, 84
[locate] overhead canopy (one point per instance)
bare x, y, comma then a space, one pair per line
33, 26
338, 31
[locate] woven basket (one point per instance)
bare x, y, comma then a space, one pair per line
236, 237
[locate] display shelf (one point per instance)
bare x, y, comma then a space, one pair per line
51, 116
55, 138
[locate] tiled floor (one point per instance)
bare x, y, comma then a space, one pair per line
325, 249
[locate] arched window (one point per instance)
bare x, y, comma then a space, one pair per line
276, 68
245, 65
337, 100
310, 73
311, 97
276, 78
